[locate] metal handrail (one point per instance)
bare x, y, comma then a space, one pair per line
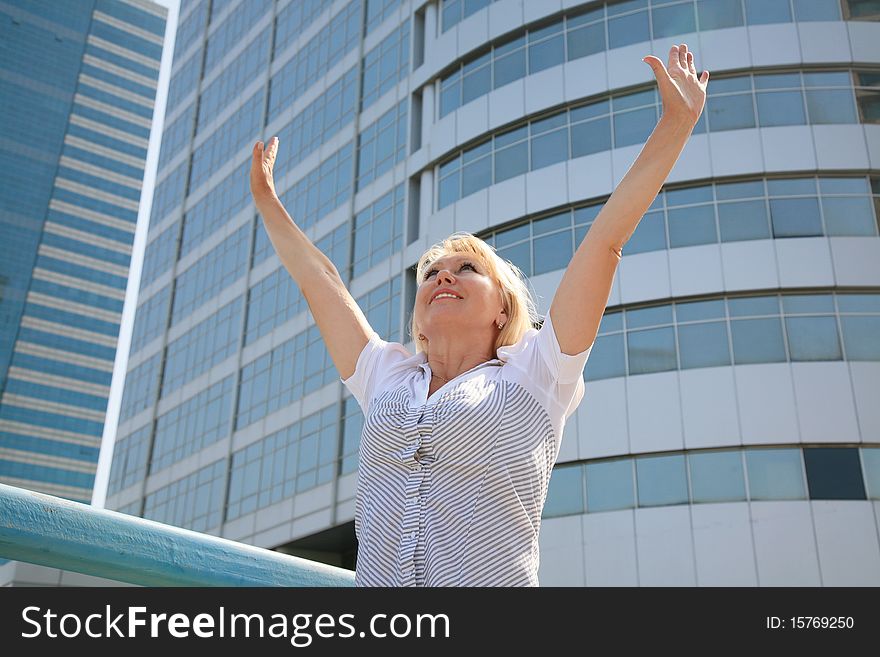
59, 533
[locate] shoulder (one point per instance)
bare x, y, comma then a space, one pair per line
538, 363
381, 364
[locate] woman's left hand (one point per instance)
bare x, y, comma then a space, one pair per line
682, 93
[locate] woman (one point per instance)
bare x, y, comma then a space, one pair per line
460, 439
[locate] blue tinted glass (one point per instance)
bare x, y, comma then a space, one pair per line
510, 137
549, 123
813, 338
795, 217
692, 226
520, 255
871, 466
634, 127
753, 306
661, 480
590, 111
759, 12
511, 235
716, 14
697, 310
509, 68
739, 190
587, 40
673, 20
816, 10
757, 341
651, 350
652, 316
732, 112
781, 108
775, 474
831, 106
476, 176
552, 252
854, 303
511, 161
449, 189
792, 187
650, 234
717, 476
546, 54
625, 30
552, 223
565, 494
634, 100
610, 485
807, 303
607, 358
828, 79
703, 345
476, 152
746, 220
450, 99
849, 216
549, 148
591, 137
611, 321
476, 84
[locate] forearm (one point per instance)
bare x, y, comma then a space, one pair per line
302, 259
618, 219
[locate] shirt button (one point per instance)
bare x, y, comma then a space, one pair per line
412, 536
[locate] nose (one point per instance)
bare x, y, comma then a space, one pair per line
445, 274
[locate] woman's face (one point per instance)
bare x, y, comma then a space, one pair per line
478, 306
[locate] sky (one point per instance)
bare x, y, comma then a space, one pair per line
99, 494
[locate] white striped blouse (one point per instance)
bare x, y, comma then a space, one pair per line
451, 487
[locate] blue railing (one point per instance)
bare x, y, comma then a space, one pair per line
51, 531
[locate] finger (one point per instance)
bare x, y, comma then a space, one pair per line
705, 77
690, 58
273, 148
659, 71
673, 57
682, 56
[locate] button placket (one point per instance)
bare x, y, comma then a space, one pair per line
418, 431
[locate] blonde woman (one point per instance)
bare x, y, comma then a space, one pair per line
460, 438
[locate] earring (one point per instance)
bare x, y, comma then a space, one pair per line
421, 337
500, 326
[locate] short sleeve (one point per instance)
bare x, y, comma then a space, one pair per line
375, 362
555, 377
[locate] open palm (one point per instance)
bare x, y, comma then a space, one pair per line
682, 92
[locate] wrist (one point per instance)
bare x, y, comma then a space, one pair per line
265, 196
678, 122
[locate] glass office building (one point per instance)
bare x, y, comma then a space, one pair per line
78, 87
729, 433
78, 83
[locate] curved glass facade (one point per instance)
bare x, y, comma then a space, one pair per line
401, 122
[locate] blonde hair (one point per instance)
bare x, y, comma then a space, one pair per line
517, 301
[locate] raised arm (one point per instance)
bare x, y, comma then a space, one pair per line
340, 320
583, 293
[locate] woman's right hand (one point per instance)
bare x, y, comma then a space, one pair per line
262, 164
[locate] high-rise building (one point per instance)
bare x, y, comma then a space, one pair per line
78, 86
729, 434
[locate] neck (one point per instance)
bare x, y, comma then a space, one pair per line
447, 369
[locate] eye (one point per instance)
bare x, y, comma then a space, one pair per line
462, 266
